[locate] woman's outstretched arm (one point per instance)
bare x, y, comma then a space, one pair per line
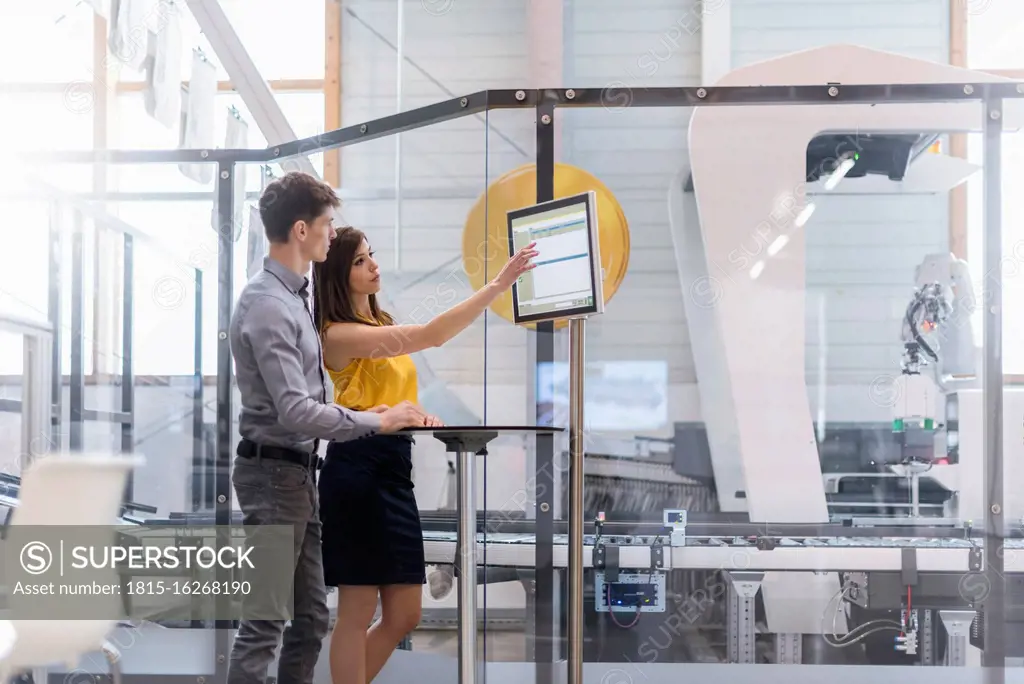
355, 340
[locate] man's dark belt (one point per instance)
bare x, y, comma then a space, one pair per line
250, 449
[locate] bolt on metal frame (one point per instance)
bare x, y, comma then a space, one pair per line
545, 102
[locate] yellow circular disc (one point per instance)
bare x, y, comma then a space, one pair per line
483, 259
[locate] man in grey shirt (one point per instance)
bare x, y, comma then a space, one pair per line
279, 370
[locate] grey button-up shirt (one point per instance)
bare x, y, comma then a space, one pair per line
279, 367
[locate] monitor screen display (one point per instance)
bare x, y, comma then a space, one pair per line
564, 282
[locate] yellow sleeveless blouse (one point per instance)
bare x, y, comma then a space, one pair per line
365, 383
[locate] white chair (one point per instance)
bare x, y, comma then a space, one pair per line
74, 489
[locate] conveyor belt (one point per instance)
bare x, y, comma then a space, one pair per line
713, 543
856, 550
853, 554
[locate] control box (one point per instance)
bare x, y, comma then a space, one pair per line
675, 520
630, 591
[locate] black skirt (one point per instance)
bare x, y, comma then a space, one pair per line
371, 524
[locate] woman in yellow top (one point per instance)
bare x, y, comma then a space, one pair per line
372, 539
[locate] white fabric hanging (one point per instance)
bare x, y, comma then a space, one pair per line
162, 93
198, 131
131, 23
237, 138
257, 243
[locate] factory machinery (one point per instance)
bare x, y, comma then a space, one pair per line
694, 549
687, 589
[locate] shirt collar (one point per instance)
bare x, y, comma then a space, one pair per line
293, 281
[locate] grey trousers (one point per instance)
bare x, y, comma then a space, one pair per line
274, 492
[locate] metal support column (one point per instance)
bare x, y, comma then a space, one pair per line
529, 584
202, 472
958, 628
994, 658
466, 445
743, 588
927, 641
788, 649
55, 316
35, 406
127, 370
544, 337
225, 416
399, 78
577, 369
76, 398
466, 563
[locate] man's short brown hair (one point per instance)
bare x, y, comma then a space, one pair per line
296, 196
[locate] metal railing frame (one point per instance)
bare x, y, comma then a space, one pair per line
35, 407
68, 215
545, 103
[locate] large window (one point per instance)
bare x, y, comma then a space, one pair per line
47, 47
165, 286
33, 122
995, 30
44, 41
994, 34
284, 39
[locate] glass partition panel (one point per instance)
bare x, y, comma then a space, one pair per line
437, 173
521, 474
784, 419
1009, 549
638, 371
994, 594
11, 403
771, 371
410, 198
115, 271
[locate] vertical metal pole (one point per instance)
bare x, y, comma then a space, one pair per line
76, 397
127, 369
544, 338
222, 468
399, 72
55, 316
466, 534
202, 471
577, 369
915, 495
927, 637
822, 365
36, 408
994, 657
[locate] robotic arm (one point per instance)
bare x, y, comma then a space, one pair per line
939, 356
936, 328
928, 310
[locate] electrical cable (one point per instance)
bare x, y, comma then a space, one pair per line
857, 634
611, 613
909, 319
936, 309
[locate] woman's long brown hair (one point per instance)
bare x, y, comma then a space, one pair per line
332, 295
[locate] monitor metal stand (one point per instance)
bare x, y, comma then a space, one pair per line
466, 443
576, 375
